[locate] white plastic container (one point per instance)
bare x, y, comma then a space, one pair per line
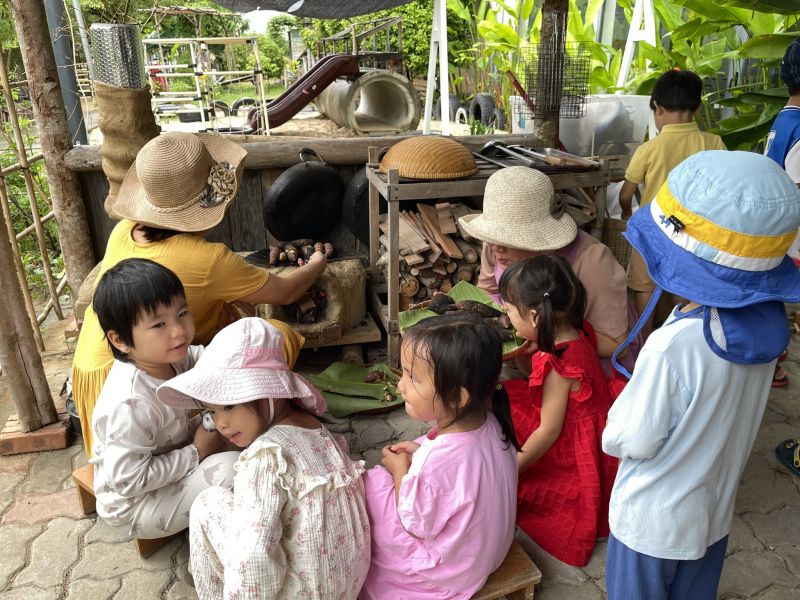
520, 115
613, 124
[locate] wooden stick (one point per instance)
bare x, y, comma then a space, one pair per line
470, 256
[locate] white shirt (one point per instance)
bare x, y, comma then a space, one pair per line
683, 427
140, 444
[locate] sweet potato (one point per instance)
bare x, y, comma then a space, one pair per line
274, 254
328, 249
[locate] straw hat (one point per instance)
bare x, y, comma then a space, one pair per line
517, 213
245, 361
429, 157
181, 181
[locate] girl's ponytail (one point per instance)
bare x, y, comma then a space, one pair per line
501, 407
545, 325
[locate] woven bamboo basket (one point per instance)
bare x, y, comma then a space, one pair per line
612, 237
430, 157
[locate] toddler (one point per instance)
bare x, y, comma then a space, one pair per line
442, 508
560, 412
295, 524
717, 233
150, 461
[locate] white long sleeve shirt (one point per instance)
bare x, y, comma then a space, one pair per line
140, 444
683, 429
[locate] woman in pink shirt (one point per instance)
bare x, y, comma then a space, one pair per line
518, 222
442, 508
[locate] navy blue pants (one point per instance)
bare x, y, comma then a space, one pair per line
631, 575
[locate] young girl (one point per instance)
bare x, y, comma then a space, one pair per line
442, 510
150, 461
565, 479
295, 525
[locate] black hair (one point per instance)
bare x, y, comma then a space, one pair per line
156, 234
794, 89
128, 291
466, 353
677, 91
546, 284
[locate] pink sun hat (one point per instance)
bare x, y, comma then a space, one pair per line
246, 361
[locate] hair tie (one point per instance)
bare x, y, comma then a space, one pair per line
498, 387
546, 295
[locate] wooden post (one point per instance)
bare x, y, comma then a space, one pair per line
551, 56
19, 356
48, 108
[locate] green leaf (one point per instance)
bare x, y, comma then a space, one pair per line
342, 385
696, 29
783, 7
461, 291
773, 45
715, 10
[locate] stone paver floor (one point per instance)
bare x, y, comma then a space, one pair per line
50, 551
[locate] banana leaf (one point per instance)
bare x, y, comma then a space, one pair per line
461, 291
342, 385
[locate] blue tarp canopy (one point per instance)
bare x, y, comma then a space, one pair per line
319, 9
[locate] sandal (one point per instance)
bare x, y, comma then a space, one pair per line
788, 454
779, 379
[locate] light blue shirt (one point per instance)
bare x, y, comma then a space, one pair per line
683, 429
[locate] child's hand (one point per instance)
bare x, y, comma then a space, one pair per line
397, 463
208, 443
407, 447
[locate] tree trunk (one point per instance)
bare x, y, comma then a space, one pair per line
549, 83
48, 108
18, 354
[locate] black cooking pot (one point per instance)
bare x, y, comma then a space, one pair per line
355, 204
305, 201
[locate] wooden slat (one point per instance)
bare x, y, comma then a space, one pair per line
446, 222
447, 244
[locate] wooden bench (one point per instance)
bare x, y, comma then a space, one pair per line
84, 485
514, 579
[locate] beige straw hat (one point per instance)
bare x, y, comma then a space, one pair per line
517, 213
181, 181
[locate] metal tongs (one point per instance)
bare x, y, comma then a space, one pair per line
558, 158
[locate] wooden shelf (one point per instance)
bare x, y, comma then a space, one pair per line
394, 189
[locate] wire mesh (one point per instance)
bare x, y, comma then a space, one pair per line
556, 82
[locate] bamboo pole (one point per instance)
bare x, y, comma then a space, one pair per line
19, 356
48, 107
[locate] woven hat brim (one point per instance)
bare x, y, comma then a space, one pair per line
550, 234
434, 175
131, 202
227, 387
682, 273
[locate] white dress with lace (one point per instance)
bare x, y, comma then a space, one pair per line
295, 525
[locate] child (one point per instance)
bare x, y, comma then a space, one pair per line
782, 147
565, 479
150, 461
442, 508
675, 100
295, 525
716, 233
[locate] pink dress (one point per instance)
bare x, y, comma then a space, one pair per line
454, 522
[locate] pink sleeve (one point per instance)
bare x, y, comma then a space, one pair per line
423, 507
606, 290
486, 280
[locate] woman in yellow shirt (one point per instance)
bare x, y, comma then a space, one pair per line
177, 190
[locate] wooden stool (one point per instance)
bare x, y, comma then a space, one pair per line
84, 485
514, 579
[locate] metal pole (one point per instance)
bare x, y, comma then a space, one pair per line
76, 6
57, 25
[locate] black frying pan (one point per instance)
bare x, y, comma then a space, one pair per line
305, 201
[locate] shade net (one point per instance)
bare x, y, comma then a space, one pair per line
319, 9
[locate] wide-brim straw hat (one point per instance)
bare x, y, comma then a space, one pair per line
248, 360
718, 231
517, 213
182, 182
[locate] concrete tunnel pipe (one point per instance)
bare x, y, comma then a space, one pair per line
376, 101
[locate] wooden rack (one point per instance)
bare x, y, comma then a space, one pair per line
394, 190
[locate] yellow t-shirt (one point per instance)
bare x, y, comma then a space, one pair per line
211, 274
653, 160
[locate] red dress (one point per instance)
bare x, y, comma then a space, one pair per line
562, 501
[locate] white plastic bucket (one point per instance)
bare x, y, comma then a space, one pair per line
520, 115
613, 124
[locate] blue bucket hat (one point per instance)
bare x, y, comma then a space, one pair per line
717, 233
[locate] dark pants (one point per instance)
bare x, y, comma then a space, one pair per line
631, 575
